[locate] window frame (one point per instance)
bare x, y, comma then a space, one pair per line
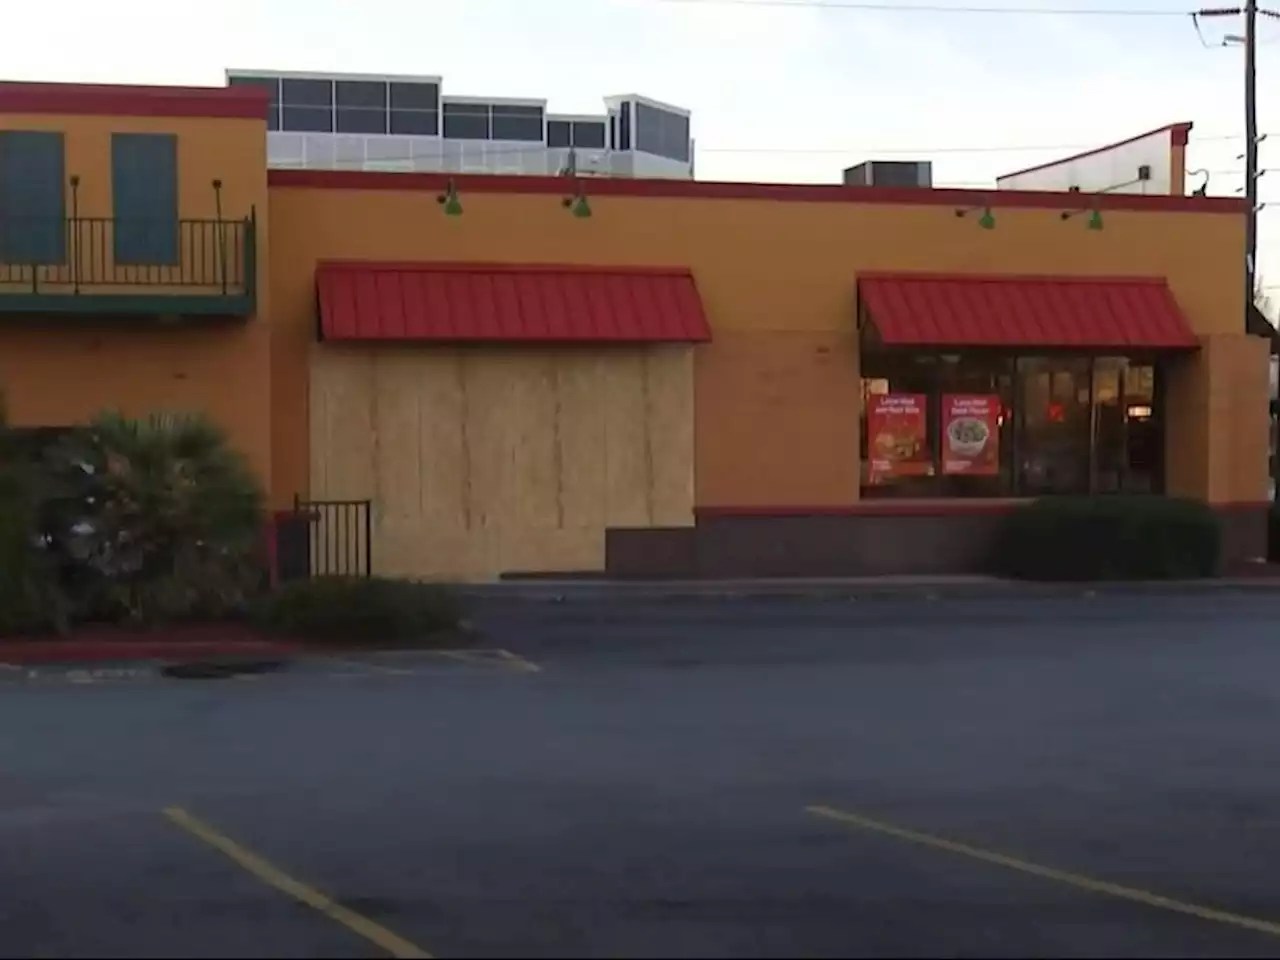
878, 363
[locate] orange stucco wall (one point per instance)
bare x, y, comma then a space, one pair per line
57, 370
776, 392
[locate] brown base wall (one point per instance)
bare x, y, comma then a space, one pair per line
889, 541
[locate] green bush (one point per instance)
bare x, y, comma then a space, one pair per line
30, 601
154, 519
359, 611
1110, 538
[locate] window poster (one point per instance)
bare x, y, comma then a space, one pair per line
970, 434
897, 436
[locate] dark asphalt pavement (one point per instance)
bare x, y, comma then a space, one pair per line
644, 792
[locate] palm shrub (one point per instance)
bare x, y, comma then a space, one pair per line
30, 601
155, 519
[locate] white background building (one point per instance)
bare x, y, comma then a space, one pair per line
1116, 168
405, 123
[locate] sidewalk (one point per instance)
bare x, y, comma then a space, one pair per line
848, 588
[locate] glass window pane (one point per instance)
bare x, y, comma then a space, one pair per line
589, 135
362, 106
978, 463
366, 94
307, 93
466, 121
517, 123
649, 129
676, 137
415, 96
420, 123
1144, 431
896, 374
1109, 443
357, 120
307, 119
624, 127
558, 133
1054, 425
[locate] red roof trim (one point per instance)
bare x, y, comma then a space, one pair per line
975, 310
470, 266
508, 303
1180, 133
713, 190
92, 99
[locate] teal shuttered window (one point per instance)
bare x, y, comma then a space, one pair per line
144, 191
33, 227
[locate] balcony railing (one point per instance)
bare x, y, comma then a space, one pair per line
208, 264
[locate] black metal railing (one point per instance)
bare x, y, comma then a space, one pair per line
111, 255
326, 538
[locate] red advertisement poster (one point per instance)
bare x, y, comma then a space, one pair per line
897, 438
970, 434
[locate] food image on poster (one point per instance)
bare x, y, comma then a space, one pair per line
971, 434
897, 441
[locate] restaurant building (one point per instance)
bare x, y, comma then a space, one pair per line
551, 376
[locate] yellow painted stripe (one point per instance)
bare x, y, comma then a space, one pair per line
271, 875
1048, 873
517, 662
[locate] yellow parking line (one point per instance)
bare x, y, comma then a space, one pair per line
517, 662
362, 926
1076, 880
491, 658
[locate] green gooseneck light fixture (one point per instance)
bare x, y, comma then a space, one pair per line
986, 217
578, 205
449, 200
1095, 220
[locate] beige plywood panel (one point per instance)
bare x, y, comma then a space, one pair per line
627, 448
342, 424
488, 461
583, 381
670, 372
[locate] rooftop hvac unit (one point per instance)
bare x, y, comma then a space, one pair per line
890, 173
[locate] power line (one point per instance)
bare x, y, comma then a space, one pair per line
884, 6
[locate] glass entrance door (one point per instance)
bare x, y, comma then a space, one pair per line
1055, 425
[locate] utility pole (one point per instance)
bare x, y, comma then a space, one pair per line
1249, 41
1250, 152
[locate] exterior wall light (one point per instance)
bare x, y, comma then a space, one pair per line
1095, 217
986, 219
449, 201
578, 205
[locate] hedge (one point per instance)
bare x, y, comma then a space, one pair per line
1119, 537
359, 611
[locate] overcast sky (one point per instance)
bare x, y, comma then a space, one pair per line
779, 92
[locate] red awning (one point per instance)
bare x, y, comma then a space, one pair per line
997, 311
476, 303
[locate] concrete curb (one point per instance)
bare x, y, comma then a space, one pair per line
934, 589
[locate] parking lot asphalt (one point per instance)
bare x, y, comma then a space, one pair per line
711, 778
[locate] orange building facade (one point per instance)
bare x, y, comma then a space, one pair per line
696, 379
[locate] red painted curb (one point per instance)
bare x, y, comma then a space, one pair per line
72, 651
103, 644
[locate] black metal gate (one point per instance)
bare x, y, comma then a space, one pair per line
325, 538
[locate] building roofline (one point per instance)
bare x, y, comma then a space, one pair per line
94, 99
332, 75
777, 192
1181, 133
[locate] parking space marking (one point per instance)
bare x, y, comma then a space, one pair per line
271, 875
1076, 880
492, 657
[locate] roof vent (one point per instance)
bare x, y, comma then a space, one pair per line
890, 173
